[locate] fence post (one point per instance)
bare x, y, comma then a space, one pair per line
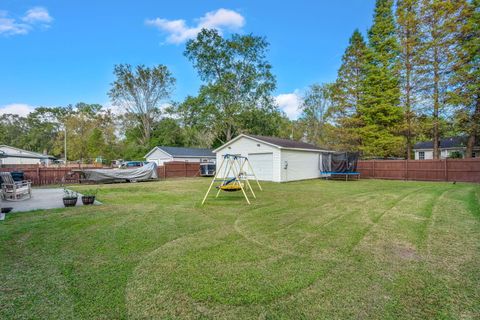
446, 169
406, 169
373, 170
38, 175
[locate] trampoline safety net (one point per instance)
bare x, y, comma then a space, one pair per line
338, 162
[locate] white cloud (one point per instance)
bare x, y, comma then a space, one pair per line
17, 108
178, 31
9, 26
35, 17
290, 103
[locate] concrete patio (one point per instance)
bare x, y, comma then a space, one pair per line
42, 199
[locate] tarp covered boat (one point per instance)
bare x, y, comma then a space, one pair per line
147, 172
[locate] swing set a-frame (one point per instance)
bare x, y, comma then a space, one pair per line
233, 176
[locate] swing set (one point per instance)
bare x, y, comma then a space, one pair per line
233, 176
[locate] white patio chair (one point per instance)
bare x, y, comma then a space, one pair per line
15, 190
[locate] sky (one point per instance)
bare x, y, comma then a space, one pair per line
60, 52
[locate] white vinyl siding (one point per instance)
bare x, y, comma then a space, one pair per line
245, 146
159, 157
427, 154
300, 165
269, 161
262, 164
13, 160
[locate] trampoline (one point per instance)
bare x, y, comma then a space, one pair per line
339, 165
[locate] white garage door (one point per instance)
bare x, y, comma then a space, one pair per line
262, 164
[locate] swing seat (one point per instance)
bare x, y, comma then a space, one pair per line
231, 187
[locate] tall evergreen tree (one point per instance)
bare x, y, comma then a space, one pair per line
409, 35
348, 91
380, 109
466, 77
439, 22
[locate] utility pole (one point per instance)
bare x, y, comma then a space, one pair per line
65, 143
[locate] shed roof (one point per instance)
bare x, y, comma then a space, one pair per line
285, 143
185, 152
276, 142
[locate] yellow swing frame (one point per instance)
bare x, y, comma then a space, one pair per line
233, 164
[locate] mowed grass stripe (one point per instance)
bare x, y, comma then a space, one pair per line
364, 249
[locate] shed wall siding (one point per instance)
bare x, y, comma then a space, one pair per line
301, 165
159, 157
245, 146
194, 159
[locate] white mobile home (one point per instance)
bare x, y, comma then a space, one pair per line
16, 156
275, 159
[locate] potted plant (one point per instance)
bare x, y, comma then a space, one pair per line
88, 197
69, 198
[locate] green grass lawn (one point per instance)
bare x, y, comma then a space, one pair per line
367, 249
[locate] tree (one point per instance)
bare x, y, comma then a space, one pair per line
316, 102
12, 129
197, 118
79, 126
410, 37
379, 109
141, 93
90, 133
348, 93
167, 132
237, 76
265, 120
466, 74
439, 22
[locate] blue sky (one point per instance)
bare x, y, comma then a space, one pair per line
56, 52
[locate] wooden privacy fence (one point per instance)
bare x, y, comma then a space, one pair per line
40, 176
466, 170
177, 169
57, 175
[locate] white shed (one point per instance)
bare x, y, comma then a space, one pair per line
275, 159
162, 154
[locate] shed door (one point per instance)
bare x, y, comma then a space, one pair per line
262, 164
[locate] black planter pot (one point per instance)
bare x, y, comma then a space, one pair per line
88, 200
70, 202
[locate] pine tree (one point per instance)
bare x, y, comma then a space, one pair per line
466, 77
347, 93
380, 108
439, 22
409, 35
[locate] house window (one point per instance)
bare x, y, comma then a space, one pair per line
421, 155
474, 154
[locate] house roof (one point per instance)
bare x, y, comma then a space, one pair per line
23, 154
446, 143
185, 152
276, 142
